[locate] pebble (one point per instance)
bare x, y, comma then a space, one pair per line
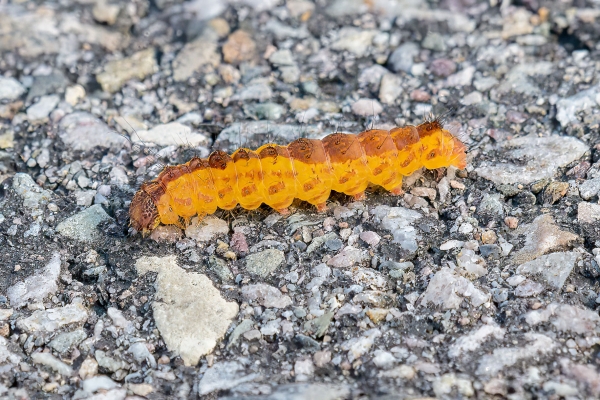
116, 73
39, 111
37, 287
188, 310
322, 358
96, 383
354, 40
82, 131
567, 109
110, 363
106, 13
66, 341
443, 67
529, 288
49, 360
448, 290
490, 364
463, 77
590, 188
171, 134
346, 258
398, 220
553, 269
402, 58
264, 263
88, 368
542, 236
195, 55
370, 237
554, 192
588, 213
474, 265
83, 225
243, 327
224, 375
511, 222
565, 318
265, 295
367, 107
390, 88
206, 229
239, 47
545, 154
474, 339
10, 88
46, 321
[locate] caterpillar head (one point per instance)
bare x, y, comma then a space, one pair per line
143, 214
440, 147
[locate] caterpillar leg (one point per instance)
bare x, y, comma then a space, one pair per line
397, 191
359, 196
321, 207
283, 211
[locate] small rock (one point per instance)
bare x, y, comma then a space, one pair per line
590, 188
367, 107
491, 364
88, 368
304, 369
49, 360
390, 88
82, 131
346, 258
462, 78
448, 290
567, 109
36, 287
265, 262
96, 383
39, 112
171, 134
54, 318
224, 375
206, 229
588, 213
542, 236
398, 220
10, 88
553, 269
116, 73
106, 13
189, 311
266, 295
354, 40
402, 58
370, 237
511, 222
554, 192
545, 154
473, 264
529, 288
110, 363
74, 94
445, 384
66, 341
239, 47
442, 67
194, 55
322, 358
82, 226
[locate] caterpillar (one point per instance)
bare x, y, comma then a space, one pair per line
308, 169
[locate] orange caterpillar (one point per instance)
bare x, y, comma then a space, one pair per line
308, 169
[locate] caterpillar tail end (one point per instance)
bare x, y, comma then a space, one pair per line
143, 214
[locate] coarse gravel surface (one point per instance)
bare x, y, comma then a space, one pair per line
482, 283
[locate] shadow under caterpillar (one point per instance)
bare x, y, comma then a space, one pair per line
308, 169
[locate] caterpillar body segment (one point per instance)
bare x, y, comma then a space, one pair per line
308, 169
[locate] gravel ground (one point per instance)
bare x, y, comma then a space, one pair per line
483, 283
